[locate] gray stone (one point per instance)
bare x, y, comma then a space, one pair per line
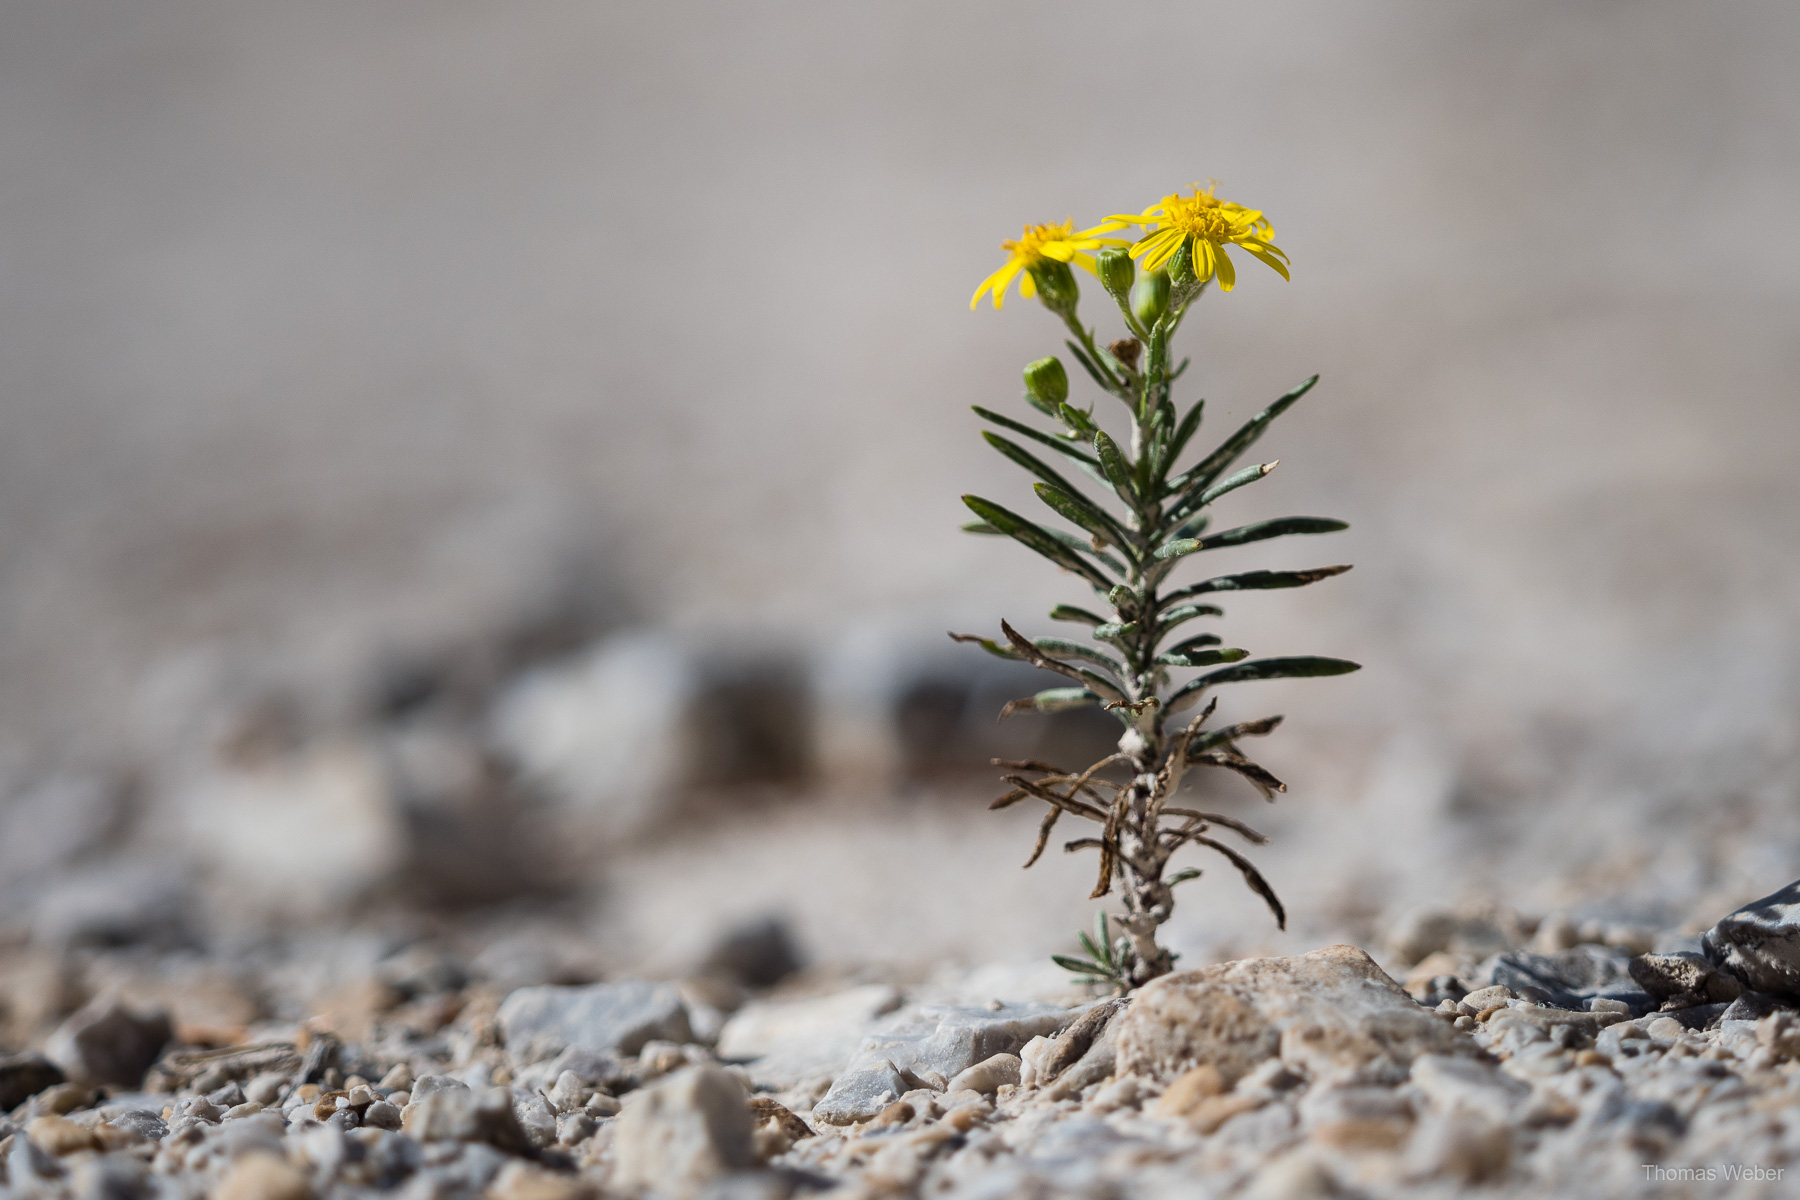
467, 1115
1332, 1014
614, 1018
938, 1041
23, 1076
425, 1085
861, 1093
683, 1132
142, 1122
1759, 944
105, 1043
1472, 1084
1568, 979
788, 1042
535, 1117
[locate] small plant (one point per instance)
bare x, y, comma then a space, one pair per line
1152, 518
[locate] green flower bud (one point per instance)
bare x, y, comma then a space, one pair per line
1048, 382
1150, 298
1116, 271
1181, 267
1056, 286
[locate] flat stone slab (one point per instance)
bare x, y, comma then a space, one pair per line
933, 1040
787, 1042
1329, 1015
606, 1018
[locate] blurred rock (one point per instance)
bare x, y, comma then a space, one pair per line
678, 1135
1330, 1014
106, 1043
263, 1176
603, 735
1476, 933
609, 1018
464, 1114
788, 1042
756, 955
120, 903
23, 1076
1684, 977
53, 823
1759, 944
933, 1044
35, 992
1566, 980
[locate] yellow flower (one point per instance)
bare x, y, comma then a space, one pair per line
1058, 243
1206, 225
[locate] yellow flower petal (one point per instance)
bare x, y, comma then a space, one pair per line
1227, 272
1027, 286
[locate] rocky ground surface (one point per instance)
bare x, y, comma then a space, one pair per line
1514, 1058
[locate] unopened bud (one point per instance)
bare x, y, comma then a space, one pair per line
1116, 271
1150, 298
1048, 382
1055, 286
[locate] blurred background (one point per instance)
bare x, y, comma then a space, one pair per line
475, 470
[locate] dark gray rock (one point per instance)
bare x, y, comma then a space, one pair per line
615, 1018
23, 1076
1759, 944
106, 1043
756, 955
1754, 1006
1567, 980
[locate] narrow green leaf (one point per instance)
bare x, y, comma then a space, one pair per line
1094, 972
1073, 506
1203, 658
1184, 612
1115, 468
1304, 667
1233, 482
1035, 537
1251, 581
1112, 631
989, 644
1176, 373
1084, 546
1263, 530
1051, 700
1087, 943
1195, 643
1231, 733
1184, 432
1194, 526
980, 527
1215, 464
1056, 647
1176, 549
1080, 420
1183, 876
1095, 371
1036, 435
1068, 612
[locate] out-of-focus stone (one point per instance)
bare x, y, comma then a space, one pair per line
1331, 1014
755, 955
787, 1042
35, 992
468, 1115
23, 1076
1473, 933
109, 1044
1569, 979
1684, 977
987, 1076
60, 1136
263, 1176
934, 1040
1464, 1083
1759, 944
679, 1134
612, 1018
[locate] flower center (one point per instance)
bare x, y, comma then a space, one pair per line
1199, 215
1029, 249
